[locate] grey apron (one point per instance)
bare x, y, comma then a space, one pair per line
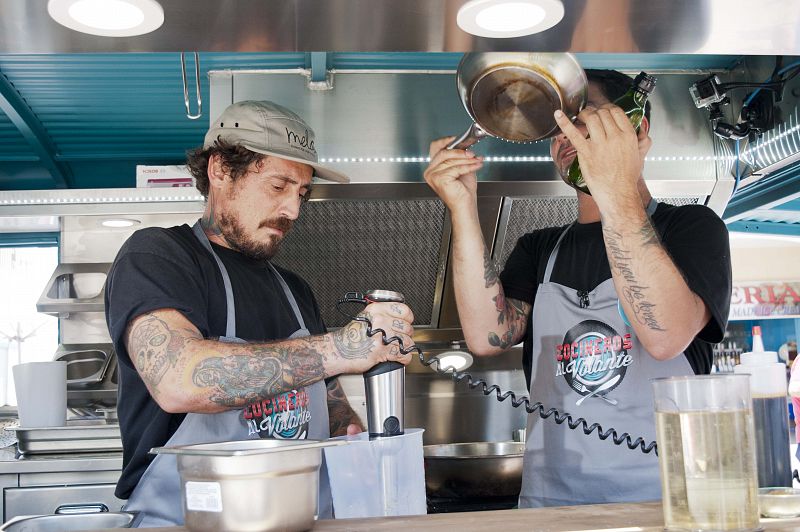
588, 363
158, 494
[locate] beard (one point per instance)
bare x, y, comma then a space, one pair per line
235, 234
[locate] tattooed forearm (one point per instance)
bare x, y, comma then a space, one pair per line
620, 259
262, 372
513, 313
490, 275
185, 372
340, 413
352, 340
155, 348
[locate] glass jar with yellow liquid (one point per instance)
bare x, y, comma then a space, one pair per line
706, 451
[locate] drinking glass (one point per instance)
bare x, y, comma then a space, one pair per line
706, 450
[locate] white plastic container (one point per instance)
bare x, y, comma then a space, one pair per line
770, 415
41, 389
4, 345
377, 478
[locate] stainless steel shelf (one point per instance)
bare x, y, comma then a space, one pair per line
72, 438
60, 298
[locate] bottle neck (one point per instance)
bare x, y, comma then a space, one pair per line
758, 344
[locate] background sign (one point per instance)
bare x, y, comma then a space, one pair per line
754, 300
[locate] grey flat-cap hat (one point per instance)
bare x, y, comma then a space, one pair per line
271, 129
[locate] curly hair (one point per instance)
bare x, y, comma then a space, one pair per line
613, 84
236, 160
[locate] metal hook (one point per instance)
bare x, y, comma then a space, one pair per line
189, 114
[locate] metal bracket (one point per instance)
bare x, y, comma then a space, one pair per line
319, 77
189, 114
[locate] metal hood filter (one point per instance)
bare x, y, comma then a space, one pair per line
345, 246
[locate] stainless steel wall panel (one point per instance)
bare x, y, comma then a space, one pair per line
375, 126
85, 239
452, 412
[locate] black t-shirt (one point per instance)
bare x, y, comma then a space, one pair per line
169, 268
693, 235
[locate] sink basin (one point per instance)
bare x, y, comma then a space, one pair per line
70, 522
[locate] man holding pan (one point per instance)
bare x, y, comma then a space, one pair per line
632, 290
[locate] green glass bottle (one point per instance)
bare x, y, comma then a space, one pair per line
632, 102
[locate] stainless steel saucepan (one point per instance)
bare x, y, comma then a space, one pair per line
473, 470
512, 95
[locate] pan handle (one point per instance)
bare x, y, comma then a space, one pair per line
471, 136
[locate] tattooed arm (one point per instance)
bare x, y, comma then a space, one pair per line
661, 307
490, 322
340, 414
186, 373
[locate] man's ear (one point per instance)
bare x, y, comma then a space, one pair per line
216, 172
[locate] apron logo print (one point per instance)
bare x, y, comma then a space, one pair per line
593, 358
284, 416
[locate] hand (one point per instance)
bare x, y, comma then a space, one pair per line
357, 352
354, 430
612, 157
451, 173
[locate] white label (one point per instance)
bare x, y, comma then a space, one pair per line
203, 496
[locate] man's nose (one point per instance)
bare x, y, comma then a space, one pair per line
290, 207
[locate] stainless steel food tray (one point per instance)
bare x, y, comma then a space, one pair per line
72, 438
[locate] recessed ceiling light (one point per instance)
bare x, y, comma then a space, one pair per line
119, 222
453, 360
509, 18
108, 18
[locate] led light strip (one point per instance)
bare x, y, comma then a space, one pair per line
95, 200
12, 198
509, 158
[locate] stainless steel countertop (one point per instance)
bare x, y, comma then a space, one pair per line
58, 463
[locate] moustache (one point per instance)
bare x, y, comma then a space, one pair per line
281, 224
565, 151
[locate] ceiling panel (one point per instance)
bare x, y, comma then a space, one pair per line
611, 26
105, 113
13, 146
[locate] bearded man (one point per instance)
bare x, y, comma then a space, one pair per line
633, 290
216, 343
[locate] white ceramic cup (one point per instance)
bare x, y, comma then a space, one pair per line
41, 393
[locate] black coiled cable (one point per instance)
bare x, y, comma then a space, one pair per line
487, 389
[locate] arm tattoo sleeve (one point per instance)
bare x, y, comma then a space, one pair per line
258, 373
513, 313
155, 348
340, 413
352, 340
